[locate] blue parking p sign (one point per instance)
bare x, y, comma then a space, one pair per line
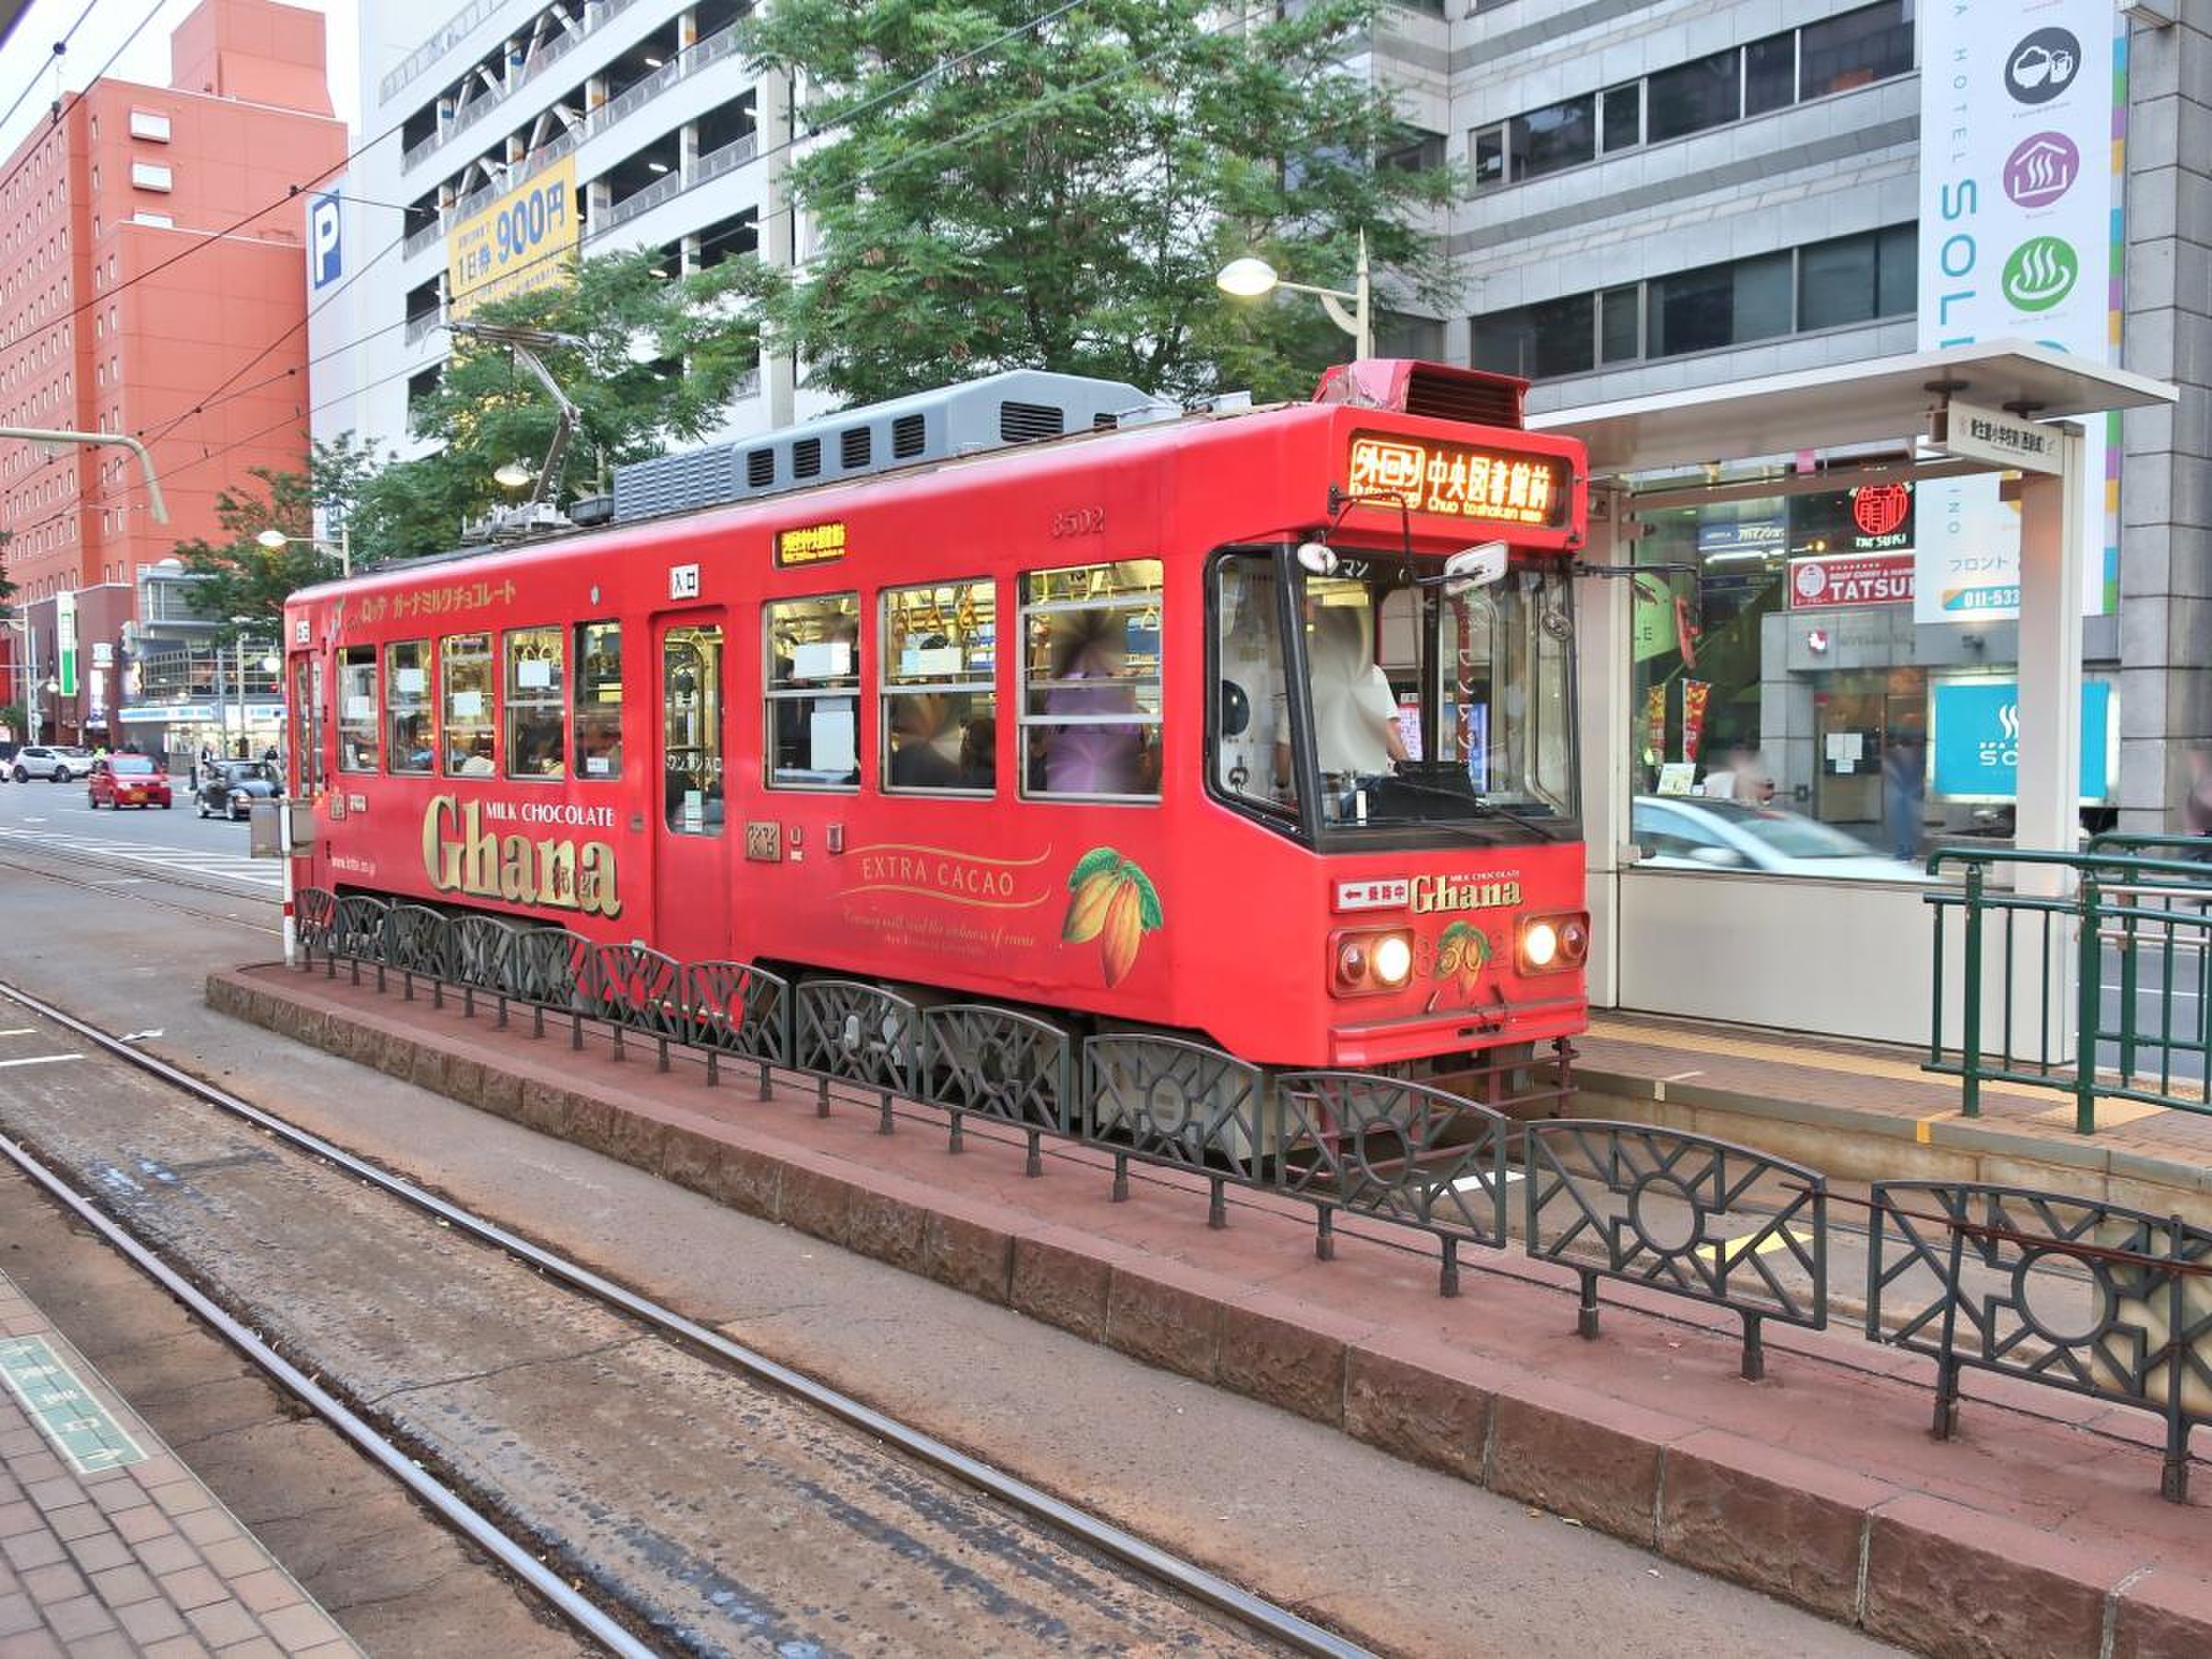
323, 260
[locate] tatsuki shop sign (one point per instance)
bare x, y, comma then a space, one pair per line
1851, 579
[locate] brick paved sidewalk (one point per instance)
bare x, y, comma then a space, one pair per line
108, 1544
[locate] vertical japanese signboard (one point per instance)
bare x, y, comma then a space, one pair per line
524, 242
2022, 115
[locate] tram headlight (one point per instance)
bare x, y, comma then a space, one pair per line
1554, 944
1368, 963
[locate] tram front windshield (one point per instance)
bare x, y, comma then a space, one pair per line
1422, 703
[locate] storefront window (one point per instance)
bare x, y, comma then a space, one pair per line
1791, 717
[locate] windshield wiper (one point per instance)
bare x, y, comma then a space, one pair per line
1478, 802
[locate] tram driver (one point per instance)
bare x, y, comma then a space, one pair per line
1355, 713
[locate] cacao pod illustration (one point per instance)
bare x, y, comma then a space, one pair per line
1124, 929
1112, 901
1087, 908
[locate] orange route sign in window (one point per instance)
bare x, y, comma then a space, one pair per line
810, 544
1460, 480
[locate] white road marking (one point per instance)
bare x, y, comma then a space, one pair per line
41, 1059
186, 861
122, 881
18, 1031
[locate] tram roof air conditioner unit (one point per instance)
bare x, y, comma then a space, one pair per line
1022, 405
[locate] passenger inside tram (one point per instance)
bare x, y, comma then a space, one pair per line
1090, 648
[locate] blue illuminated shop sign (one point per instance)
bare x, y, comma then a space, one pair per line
1976, 729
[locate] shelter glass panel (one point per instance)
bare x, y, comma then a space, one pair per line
813, 648
537, 729
940, 702
598, 711
357, 709
1090, 714
465, 681
408, 747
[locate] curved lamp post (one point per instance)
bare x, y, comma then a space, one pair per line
1248, 278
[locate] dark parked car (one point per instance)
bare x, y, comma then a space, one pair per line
230, 787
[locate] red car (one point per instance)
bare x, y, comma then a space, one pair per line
126, 781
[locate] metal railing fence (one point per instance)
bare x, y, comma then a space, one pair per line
2100, 993
1670, 1213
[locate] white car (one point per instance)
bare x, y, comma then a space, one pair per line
56, 765
1689, 832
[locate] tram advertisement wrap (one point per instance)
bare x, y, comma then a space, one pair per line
2017, 183
908, 896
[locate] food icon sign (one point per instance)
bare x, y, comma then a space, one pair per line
1112, 901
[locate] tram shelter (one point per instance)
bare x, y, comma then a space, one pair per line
1847, 957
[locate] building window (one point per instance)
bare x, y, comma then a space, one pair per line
1836, 55
1557, 135
160, 221
1856, 49
1090, 669
1689, 97
148, 125
465, 680
1830, 284
1856, 279
150, 175
1414, 150
1400, 335
536, 704
813, 648
598, 708
940, 702
1720, 305
407, 747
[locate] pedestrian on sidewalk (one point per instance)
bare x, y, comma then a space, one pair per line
1905, 792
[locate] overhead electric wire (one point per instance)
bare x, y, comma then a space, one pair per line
59, 48
1032, 107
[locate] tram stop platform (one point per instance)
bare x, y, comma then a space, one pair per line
1862, 1113
108, 1545
2036, 1528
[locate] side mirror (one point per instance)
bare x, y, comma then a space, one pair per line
1478, 565
1720, 858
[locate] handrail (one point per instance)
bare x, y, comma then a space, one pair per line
1985, 857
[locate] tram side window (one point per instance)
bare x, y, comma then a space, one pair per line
1090, 681
598, 714
940, 650
536, 704
813, 692
464, 671
357, 709
691, 717
407, 738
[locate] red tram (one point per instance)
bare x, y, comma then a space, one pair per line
1280, 754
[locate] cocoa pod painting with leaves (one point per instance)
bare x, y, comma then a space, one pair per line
1114, 902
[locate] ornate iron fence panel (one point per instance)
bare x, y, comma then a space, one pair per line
480, 945
1643, 1205
546, 967
1399, 1150
860, 1033
1170, 1101
360, 927
735, 1008
416, 939
636, 987
998, 1063
2073, 1294
316, 918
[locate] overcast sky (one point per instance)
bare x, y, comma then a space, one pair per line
28, 58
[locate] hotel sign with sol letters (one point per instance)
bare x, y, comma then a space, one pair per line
1458, 479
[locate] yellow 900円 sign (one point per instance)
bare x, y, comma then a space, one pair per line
524, 242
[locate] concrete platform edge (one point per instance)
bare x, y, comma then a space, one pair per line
1865, 1145
1921, 1570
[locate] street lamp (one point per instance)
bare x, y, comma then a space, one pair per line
512, 474
241, 624
273, 538
1248, 278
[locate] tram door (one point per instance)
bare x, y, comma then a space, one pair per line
691, 855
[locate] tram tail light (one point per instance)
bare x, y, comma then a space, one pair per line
1554, 944
1369, 963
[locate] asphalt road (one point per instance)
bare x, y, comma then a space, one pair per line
1409, 1561
134, 847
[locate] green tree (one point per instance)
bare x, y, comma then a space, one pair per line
659, 359
995, 196
241, 577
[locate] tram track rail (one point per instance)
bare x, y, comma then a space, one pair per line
1132, 1554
